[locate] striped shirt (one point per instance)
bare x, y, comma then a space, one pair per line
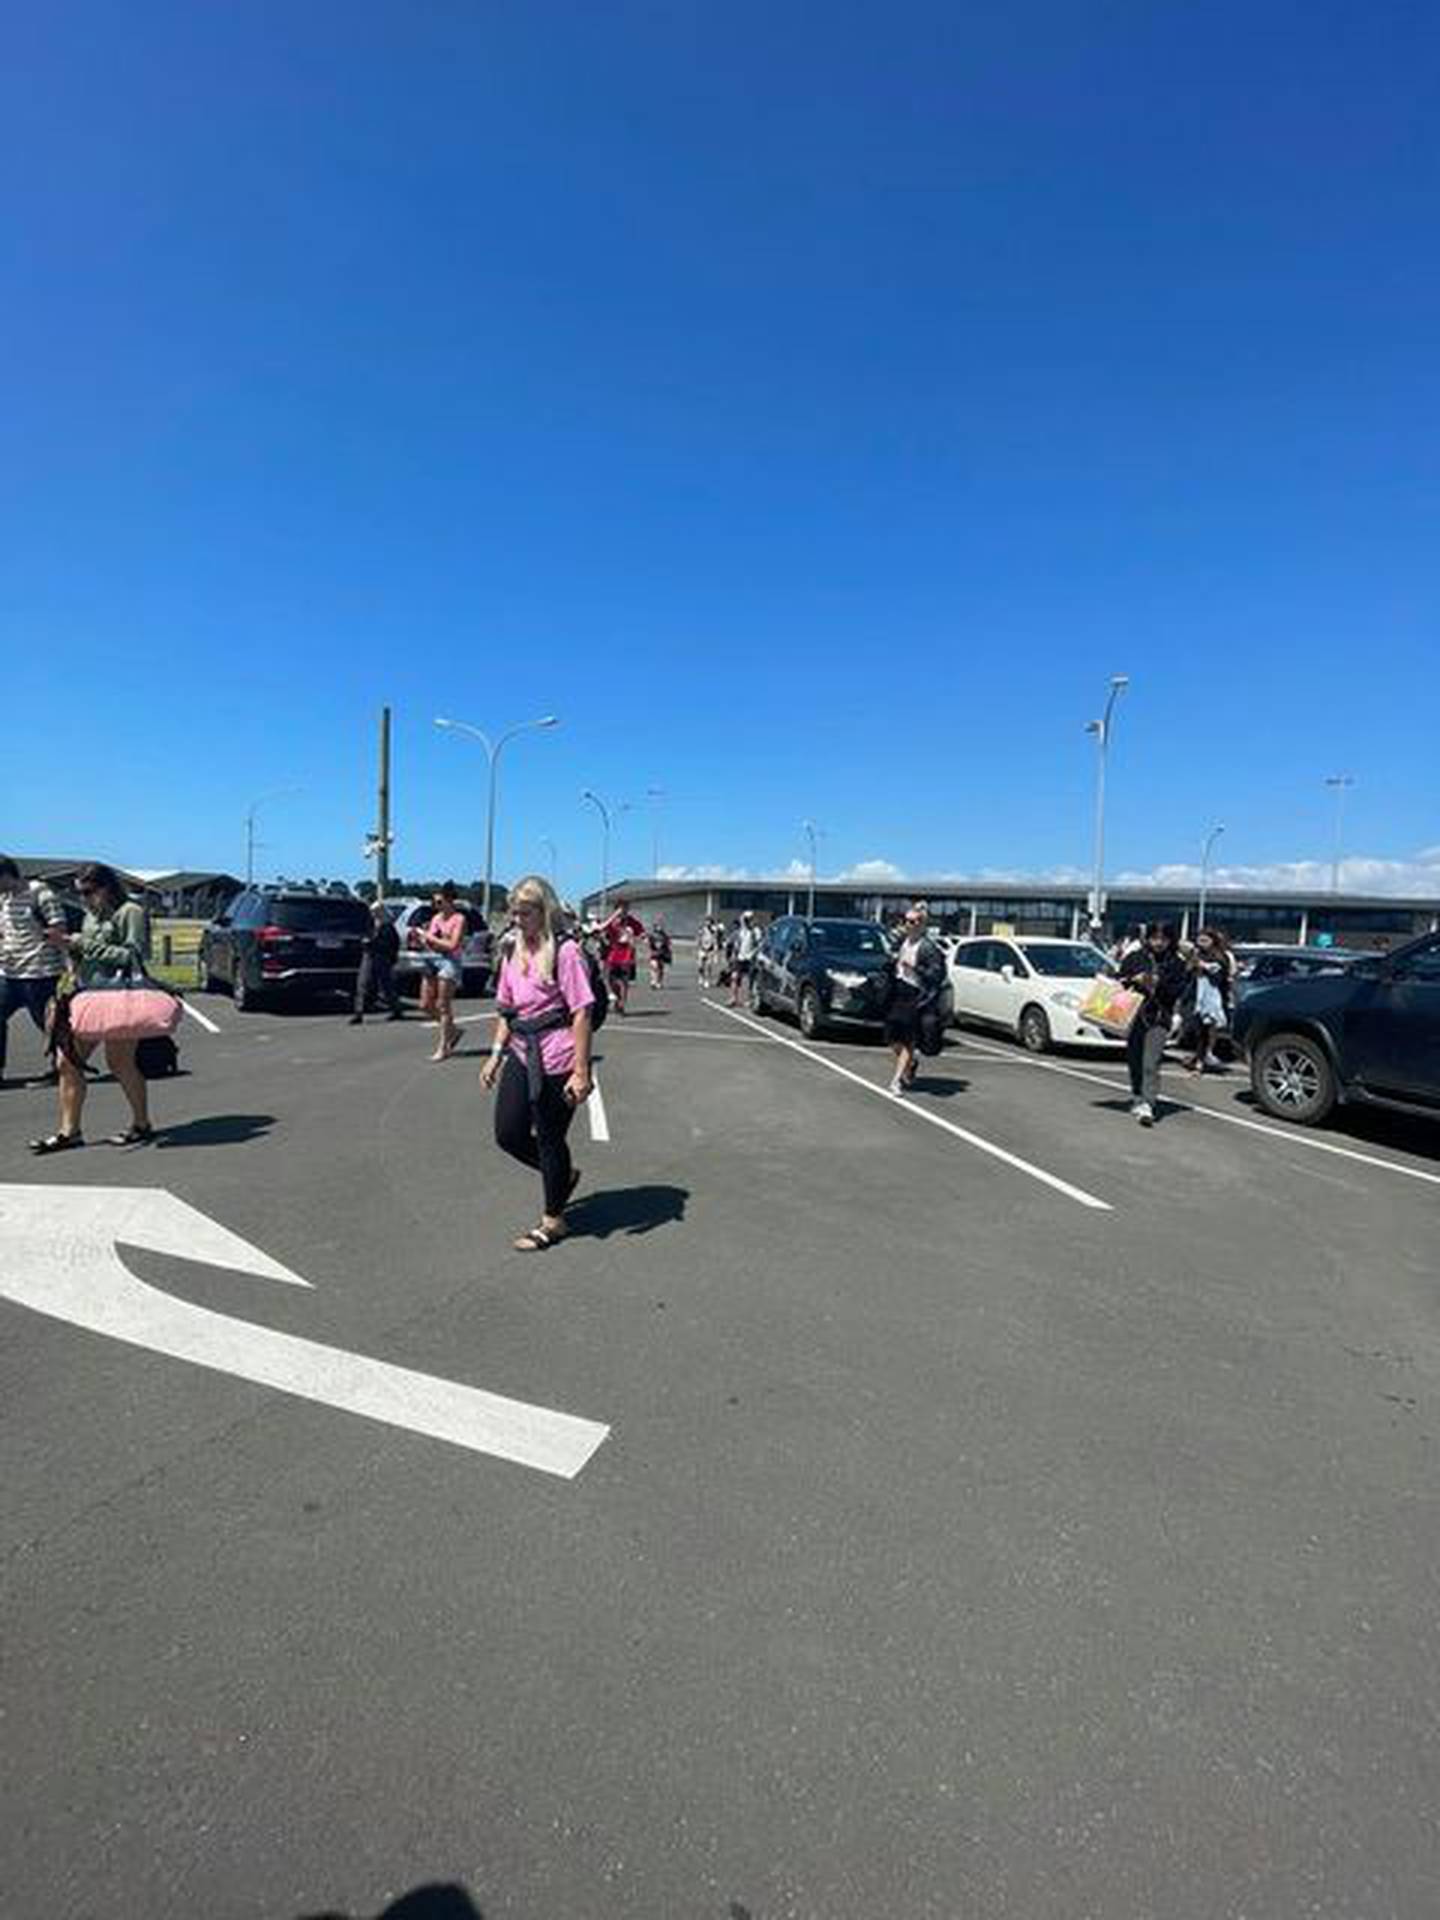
25, 953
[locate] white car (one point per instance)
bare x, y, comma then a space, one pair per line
1030, 987
476, 954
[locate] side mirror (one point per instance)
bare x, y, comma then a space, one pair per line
1007, 973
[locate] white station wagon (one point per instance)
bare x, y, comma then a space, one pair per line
1030, 987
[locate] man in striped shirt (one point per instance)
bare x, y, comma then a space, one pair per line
30, 961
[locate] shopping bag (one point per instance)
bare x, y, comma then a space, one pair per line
123, 1013
1110, 1006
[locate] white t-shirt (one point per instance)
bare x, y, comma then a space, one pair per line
907, 959
25, 953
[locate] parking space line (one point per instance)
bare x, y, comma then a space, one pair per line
1296, 1137
693, 1033
204, 1019
595, 1107
975, 1140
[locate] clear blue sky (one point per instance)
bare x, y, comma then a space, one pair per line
811, 404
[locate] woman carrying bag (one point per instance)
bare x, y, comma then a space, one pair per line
540, 1055
912, 1012
105, 996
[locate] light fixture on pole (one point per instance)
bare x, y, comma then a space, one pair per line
812, 834
279, 793
604, 813
492, 754
1210, 839
1338, 782
1101, 730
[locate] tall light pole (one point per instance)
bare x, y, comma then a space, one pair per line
604, 813
812, 834
550, 848
1210, 839
492, 754
655, 795
1338, 782
277, 793
1101, 729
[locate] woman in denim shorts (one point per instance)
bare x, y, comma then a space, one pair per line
442, 939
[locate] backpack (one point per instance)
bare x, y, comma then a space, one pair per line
157, 1057
595, 974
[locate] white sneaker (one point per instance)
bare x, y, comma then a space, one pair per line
896, 1088
1144, 1113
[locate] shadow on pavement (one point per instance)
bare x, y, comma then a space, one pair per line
937, 1086
627, 1210
435, 1902
1364, 1126
216, 1130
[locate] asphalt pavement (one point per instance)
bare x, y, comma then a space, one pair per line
973, 1505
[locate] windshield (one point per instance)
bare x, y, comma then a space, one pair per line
1071, 962
321, 916
849, 936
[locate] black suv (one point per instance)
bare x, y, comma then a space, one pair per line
1371, 1034
823, 971
274, 940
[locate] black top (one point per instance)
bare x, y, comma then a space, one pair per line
383, 941
1161, 978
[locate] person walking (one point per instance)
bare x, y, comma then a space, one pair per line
31, 961
110, 949
661, 954
919, 981
1212, 969
707, 945
441, 940
376, 979
744, 947
1158, 974
540, 1056
617, 939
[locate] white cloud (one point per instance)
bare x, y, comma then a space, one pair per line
1359, 873
883, 873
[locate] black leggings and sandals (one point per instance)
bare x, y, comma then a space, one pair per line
533, 1129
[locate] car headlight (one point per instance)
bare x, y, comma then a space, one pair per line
1065, 999
843, 979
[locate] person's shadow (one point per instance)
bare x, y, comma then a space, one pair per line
216, 1130
435, 1902
627, 1210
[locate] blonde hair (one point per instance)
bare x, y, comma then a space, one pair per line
535, 887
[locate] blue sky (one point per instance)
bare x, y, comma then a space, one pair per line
812, 405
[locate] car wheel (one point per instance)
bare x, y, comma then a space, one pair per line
811, 1020
1034, 1030
1292, 1078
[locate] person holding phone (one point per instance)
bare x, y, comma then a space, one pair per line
441, 941
540, 1056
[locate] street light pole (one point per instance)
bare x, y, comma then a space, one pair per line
1211, 838
1338, 782
492, 754
604, 811
811, 834
278, 793
1101, 729
549, 846
655, 795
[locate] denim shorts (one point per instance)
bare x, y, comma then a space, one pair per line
444, 968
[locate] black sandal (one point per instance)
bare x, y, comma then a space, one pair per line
537, 1240
133, 1136
57, 1143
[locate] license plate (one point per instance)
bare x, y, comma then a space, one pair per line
329, 942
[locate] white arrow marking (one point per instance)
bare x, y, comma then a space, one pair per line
61, 1258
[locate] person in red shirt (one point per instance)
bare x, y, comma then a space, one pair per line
617, 943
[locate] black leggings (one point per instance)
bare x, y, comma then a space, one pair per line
536, 1135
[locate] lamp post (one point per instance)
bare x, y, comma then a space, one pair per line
1101, 730
1338, 782
1210, 839
279, 793
549, 846
604, 813
812, 834
492, 754
655, 795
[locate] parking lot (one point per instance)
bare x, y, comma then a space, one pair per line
970, 1504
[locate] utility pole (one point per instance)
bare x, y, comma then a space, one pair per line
1338, 782
604, 812
1101, 729
382, 852
1213, 836
811, 834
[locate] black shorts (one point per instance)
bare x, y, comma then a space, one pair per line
902, 1017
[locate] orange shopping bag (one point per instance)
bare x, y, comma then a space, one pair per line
1110, 1006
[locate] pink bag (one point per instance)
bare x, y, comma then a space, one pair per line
123, 1013
1110, 1006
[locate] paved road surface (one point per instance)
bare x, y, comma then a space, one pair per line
1022, 1515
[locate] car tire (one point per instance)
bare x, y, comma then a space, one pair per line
809, 1014
1034, 1030
1292, 1078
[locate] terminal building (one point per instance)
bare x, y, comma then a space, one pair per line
1372, 922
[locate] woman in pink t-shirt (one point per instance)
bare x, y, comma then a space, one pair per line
541, 1052
441, 939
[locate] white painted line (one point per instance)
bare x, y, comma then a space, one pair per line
62, 1260
204, 1019
595, 1107
1292, 1137
693, 1033
975, 1140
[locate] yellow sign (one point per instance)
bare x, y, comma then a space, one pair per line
1005, 927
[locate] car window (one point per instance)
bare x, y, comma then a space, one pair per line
327, 915
1076, 960
969, 953
849, 936
1422, 965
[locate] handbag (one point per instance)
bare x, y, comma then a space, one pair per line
1209, 1003
1110, 1006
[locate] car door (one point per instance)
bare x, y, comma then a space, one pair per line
766, 977
967, 978
790, 955
242, 913
1393, 1028
1009, 983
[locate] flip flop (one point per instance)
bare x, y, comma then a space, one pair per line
537, 1240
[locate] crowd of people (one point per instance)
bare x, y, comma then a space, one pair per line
555, 981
